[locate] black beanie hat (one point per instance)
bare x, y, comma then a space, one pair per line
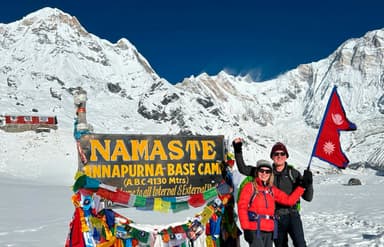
279, 146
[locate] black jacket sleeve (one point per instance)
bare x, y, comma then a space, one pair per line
244, 169
308, 193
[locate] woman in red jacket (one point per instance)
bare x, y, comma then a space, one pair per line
256, 206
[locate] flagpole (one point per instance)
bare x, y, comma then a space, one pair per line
321, 127
309, 163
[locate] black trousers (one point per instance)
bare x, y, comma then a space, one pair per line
264, 240
291, 224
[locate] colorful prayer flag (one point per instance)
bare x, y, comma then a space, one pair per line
208, 194
179, 206
161, 205
140, 201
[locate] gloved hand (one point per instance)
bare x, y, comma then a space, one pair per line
307, 179
308, 176
248, 236
237, 144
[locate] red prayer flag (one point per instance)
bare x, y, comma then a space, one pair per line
75, 236
196, 200
327, 146
118, 196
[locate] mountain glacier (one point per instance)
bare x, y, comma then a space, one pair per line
47, 55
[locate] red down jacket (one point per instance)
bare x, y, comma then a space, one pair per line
263, 204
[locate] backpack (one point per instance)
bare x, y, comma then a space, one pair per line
251, 178
255, 191
293, 180
290, 174
242, 184
252, 216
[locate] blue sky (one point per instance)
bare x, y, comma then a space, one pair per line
181, 38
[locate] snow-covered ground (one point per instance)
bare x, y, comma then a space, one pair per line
341, 215
39, 215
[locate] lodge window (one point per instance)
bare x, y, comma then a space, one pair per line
43, 119
13, 119
27, 119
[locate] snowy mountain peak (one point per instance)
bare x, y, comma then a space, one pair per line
124, 44
45, 13
51, 18
48, 54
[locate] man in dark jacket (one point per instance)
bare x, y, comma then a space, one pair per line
287, 179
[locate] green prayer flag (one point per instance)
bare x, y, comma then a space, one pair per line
142, 236
208, 194
140, 201
79, 183
180, 206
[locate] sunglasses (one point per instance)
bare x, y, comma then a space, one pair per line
267, 171
279, 154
